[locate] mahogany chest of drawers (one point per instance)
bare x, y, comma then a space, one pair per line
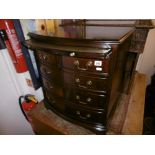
82, 77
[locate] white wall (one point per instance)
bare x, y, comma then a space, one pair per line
12, 120
146, 62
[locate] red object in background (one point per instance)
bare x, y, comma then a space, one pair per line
13, 45
27, 103
27, 106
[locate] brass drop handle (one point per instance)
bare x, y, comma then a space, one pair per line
47, 71
77, 97
89, 99
51, 99
45, 57
49, 85
40, 56
83, 117
76, 62
77, 80
88, 64
89, 83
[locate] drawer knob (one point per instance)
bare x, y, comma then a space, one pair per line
88, 115
77, 97
48, 85
45, 57
76, 62
89, 83
46, 71
40, 56
78, 112
72, 54
89, 99
77, 80
89, 63
51, 99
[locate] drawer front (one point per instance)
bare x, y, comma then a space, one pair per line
90, 65
86, 115
88, 99
47, 58
53, 87
91, 83
51, 73
56, 102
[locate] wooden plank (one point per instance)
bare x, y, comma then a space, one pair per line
134, 118
128, 116
116, 121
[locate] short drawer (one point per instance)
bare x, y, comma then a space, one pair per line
55, 101
47, 58
87, 99
53, 87
51, 72
91, 83
82, 64
86, 115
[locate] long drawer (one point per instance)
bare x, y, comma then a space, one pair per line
88, 116
83, 81
55, 101
89, 65
53, 87
88, 99
52, 73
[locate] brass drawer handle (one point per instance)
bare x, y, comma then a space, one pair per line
47, 71
88, 64
49, 85
83, 117
89, 83
44, 57
82, 86
50, 99
77, 80
82, 102
40, 56
89, 99
77, 97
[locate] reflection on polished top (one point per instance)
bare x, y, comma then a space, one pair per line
94, 34
98, 33
94, 30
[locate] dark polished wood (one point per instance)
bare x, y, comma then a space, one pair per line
83, 75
